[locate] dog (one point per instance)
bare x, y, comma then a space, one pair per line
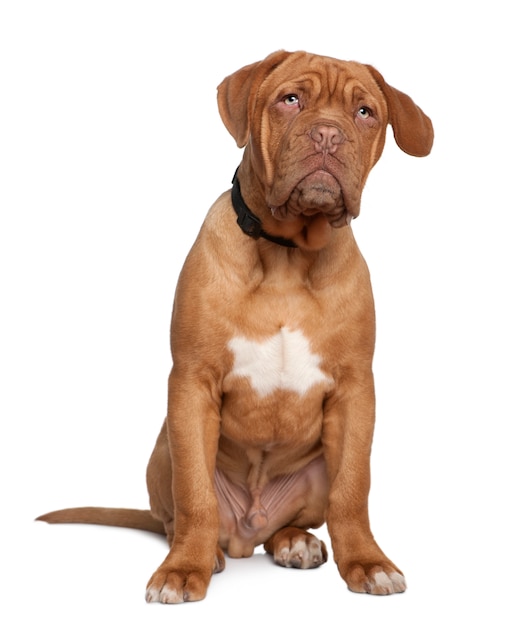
271, 403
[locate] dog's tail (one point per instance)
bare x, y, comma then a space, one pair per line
125, 518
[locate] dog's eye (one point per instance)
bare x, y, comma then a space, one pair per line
291, 99
364, 113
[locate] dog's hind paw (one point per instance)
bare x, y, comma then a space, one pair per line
294, 547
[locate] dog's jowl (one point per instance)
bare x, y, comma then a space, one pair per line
271, 402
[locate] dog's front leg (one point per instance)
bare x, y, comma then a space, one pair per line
193, 432
347, 437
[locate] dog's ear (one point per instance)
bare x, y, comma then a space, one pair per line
413, 130
236, 95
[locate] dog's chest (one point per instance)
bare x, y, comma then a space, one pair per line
281, 361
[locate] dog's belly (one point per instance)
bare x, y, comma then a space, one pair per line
249, 517
269, 459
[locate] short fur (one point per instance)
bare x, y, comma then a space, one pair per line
271, 403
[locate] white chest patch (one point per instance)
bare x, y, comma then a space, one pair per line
284, 361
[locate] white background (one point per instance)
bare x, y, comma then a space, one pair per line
111, 152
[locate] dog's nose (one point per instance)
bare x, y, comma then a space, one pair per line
326, 138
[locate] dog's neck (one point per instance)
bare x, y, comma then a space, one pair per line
250, 223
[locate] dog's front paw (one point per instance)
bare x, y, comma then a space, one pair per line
174, 583
173, 586
294, 547
379, 579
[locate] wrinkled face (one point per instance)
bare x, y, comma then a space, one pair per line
321, 128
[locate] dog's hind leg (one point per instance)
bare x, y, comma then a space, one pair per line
295, 547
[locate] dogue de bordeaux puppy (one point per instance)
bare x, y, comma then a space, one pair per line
271, 403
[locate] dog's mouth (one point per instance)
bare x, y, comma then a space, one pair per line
318, 193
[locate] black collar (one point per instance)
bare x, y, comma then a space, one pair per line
249, 223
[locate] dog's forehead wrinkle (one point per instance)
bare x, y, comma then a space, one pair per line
335, 75
316, 84
303, 84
